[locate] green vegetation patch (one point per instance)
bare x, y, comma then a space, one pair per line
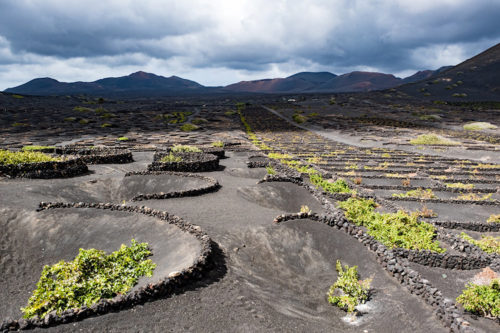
123, 138
482, 299
18, 157
218, 144
478, 126
339, 186
270, 170
488, 244
348, 291
185, 149
171, 158
391, 229
82, 109
474, 197
91, 276
36, 147
189, 127
460, 186
495, 218
432, 139
418, 193
298, 118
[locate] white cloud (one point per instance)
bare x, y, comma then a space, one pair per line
218, 42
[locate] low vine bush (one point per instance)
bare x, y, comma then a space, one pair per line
483, 300
36, 148
418, 193
19, 157
339, 186
348, 291
488, 244
91, 276
218, 144
495, 218
170, 158
185, 149
399, 229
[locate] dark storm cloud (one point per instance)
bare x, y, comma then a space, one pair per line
254, 36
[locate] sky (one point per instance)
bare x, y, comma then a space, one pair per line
219, 42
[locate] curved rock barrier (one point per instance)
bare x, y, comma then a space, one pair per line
191, 162
217, 151
473, 226
93, 155
212, 186
99, 155
449, 201
70, 167
433, 188
166, 286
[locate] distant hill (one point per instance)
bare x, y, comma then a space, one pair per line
296, 83
146, 84
136, 84
477, 78
326, 82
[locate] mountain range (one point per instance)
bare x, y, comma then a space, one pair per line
477, 76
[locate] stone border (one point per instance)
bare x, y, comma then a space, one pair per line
473, 226
99, 155
459, 244
213, 185
93, 155
167, 286
217, 151
53, 169
191, 162
435, 188
448, 201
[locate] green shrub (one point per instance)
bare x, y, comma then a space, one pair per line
35, 147
18, 96
270, 170
82, 109
171, 158
348, 291
229, 112
488, 244
298, 118
104, 125
460, 186
474, 197
70, 119
418, 193
91, 276
339, 186
482, 299
218, 144
11, 157
83, 121
391, 229
123, 138
185, 149
432, 139
495, 218
189, 127
477, 126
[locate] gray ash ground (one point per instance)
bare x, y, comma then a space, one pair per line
275, 277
